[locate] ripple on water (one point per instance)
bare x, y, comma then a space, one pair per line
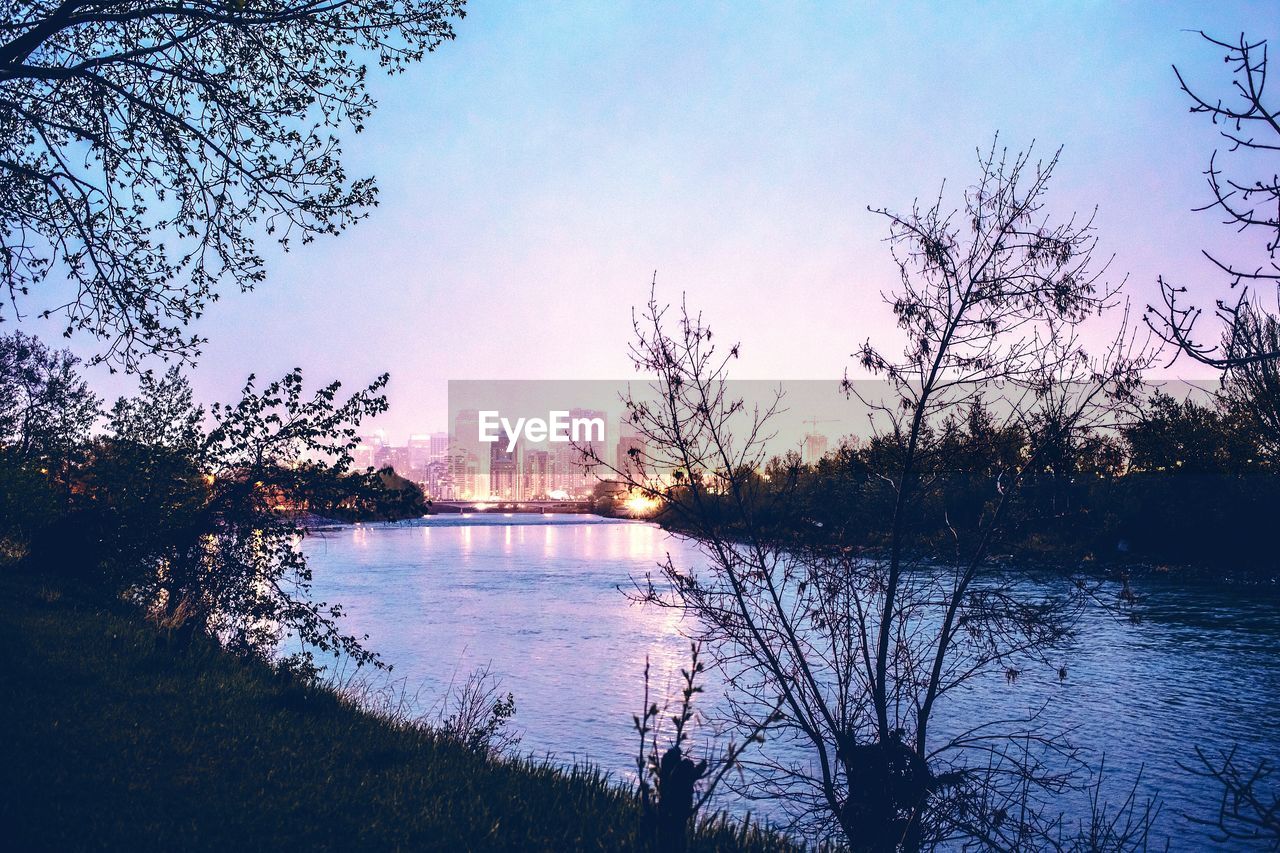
538, 598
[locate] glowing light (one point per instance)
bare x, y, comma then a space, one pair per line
641, 504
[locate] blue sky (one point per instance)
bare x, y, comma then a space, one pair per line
538, 170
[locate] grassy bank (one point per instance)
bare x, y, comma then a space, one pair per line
118, 740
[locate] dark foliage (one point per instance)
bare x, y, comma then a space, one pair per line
194, 517
145, 146
129, 741
1114, 496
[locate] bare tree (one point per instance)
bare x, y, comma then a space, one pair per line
1250, 130
1249, 806
674, 787
475, 714
860, 653
144, 145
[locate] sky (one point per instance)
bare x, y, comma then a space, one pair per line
540, 169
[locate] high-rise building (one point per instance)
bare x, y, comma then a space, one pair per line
504, 472
369, 452
362, 457
469, 457
631, 461
537, 474
439, 446
398, 458
815, 447
438, 480
592, 441
419, 452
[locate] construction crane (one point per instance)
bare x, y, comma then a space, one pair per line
814, 445
815, 421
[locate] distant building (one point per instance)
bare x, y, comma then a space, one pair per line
537, 475
582, 475
369, 452
469, 457
439, 449
362, 457
815, 447
629, 464
437, 481
399, 458
419, 453
505, 479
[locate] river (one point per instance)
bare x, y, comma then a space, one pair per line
537, 597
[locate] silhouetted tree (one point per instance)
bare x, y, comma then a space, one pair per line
211, 518
989, 303
1250, 129
46, 412
196, 516
144, 145
1251, 388
858, 652
1248, 806
46, 407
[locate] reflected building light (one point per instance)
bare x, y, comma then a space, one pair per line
641, 541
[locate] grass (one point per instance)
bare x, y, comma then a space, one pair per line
117, 740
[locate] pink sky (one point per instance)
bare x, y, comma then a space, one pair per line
537, 171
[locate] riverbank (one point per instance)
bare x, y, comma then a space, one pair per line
1044, 556
119, 739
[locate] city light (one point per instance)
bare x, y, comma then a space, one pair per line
641, 504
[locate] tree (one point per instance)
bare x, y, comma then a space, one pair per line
1250, 129
144, 146
268, 455
860, 652
46, 412
1249, 807
201, 527
194, 515
1251, 387
46, 407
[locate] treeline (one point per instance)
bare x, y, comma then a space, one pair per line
1188, 482
193, 514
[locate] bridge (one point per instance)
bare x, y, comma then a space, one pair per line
495, 505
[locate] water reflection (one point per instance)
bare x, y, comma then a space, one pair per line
539, 596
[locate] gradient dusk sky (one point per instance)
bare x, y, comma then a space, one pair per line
537, 171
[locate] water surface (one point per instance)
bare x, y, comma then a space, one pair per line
538, 598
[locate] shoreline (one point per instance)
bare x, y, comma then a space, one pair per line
126, 737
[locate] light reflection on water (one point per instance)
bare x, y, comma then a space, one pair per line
537, 595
